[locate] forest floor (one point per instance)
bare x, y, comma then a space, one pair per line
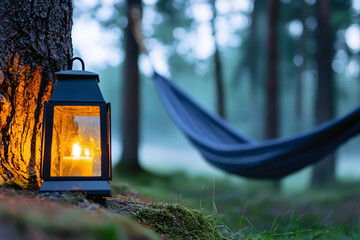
182, 207
257, 209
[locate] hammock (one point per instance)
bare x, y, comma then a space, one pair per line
224, 147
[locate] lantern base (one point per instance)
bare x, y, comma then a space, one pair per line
100, 188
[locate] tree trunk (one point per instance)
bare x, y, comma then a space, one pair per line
130, 158
252, 52
218, 68
324, 171
301, 70
35, 42
272, 81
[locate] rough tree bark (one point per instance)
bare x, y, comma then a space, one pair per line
35, 42
220, 98
324, 171
130, 130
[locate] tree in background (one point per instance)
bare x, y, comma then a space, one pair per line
272, 106
220, 98
131, 107
301, 68
272, 79
35, 42
324, 171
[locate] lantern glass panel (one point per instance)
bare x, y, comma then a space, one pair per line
76, 144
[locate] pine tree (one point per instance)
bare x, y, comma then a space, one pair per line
35, 42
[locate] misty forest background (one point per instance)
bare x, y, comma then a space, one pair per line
193, 42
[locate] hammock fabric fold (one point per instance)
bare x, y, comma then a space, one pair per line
224, 147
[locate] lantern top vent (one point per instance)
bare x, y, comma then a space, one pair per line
76, 74
77, 86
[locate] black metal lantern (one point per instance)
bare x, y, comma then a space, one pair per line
76, 149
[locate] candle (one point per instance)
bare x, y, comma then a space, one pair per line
77, 165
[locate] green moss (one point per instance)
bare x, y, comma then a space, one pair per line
123, 189
171, 221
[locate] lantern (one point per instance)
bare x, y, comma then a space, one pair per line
76, 149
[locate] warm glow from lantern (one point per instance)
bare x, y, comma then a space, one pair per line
87, 152
78, 164
76, 150
76, 142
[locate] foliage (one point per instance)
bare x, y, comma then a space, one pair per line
254, 210
189, 208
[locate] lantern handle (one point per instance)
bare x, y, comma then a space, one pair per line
82, 62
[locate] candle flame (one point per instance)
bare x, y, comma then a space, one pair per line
87, 152
76, 150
